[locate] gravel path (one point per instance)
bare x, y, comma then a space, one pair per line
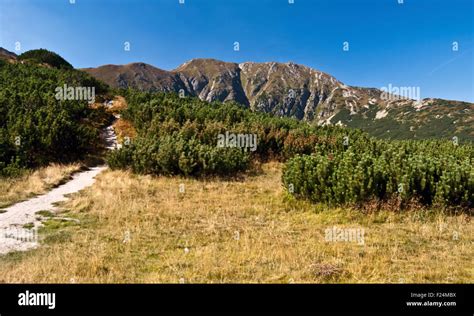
13, 235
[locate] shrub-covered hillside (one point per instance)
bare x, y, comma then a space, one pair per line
324, 164
35, 127
43, 56
181, 136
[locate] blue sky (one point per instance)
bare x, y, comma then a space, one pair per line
407, 44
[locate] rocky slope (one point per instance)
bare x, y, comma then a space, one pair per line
288, 89
7, 55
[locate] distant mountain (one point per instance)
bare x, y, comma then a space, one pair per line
7, 55
41, 57
137, 75
288, 89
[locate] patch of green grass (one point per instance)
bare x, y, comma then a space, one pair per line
29, 226
15, 257
56, 230
45, 213
51, 225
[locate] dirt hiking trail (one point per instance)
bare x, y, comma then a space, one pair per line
14, 236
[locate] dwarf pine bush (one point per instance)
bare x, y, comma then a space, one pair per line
324, 164
432, 172
35, 127
180, 136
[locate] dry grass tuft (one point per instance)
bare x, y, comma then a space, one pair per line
13, 190
124, 128
119, 104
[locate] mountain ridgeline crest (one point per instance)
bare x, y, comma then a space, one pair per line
293, 90
288, 90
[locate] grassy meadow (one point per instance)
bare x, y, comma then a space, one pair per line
247, 229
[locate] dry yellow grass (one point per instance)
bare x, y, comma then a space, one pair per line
124, 128
13, 190
143, 229
119, 104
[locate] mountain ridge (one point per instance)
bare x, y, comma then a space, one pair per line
7, 55
294, 90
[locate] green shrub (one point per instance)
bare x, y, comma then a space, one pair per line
174, 154
43, 56
324, 164
179, 135
432, 172
35, 127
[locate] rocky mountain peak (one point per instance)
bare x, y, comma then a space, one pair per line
293, 90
